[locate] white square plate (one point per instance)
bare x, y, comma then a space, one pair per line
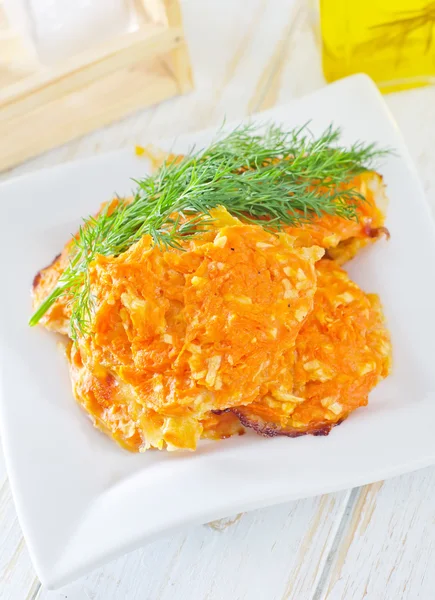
81, 500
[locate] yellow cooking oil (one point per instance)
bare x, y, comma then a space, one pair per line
393, 41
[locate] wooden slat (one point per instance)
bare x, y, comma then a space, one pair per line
17, 576
388, 547
153, 11
179, 62
83, 110
87, 91
52, 84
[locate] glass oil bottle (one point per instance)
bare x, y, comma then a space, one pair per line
393, 41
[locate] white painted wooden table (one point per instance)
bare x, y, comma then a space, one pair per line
375, 542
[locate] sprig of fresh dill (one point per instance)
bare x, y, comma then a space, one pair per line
269, 176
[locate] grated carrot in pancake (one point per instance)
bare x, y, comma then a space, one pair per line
176, 335
343, 238
342, 351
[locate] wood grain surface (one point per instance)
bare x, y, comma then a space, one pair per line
376, 542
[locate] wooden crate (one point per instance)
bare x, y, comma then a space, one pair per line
42, 107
